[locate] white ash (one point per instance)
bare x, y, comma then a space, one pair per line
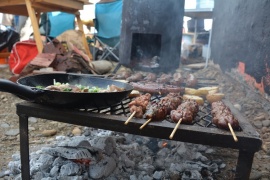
118, 156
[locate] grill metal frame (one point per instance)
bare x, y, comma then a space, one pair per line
203, 118
113, 119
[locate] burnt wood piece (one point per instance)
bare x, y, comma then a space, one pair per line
248, 143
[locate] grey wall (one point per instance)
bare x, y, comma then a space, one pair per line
241, 32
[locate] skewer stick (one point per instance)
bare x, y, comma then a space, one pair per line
233, 134
130, 117
142, 126
175, 128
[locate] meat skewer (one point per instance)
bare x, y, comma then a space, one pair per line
232, 132
144, 124
185, 112
130, 117
159, 110
138, 106
223, 118
175, 128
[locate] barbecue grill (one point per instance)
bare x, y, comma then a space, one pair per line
202, 131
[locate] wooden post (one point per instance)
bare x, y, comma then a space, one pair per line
32, 15
80, 24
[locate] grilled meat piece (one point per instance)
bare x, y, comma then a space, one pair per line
177, 79
222, 115
135, 77
164, 79
122, 75
155, 88
150, 77
191, 81
186, 111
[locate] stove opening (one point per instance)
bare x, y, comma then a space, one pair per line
145, 50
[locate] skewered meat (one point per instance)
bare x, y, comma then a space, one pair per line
138, 109
177, 79
191, 81
222, 115
156, 112
150, 77
171, 101
159, 110
139, 105
186, 111
155, 88
164, 79
141, 101
135, 77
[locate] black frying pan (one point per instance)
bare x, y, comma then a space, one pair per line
26, 89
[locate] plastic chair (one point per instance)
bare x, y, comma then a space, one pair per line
60, 22
108, 16
55, 23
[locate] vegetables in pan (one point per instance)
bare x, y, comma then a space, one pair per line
66, 87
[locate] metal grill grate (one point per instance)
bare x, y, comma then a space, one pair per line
203, 118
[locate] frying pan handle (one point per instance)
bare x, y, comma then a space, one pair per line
23, 92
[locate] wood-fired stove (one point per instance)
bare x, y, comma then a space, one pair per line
151, 34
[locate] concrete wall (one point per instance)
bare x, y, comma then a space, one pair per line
241, 32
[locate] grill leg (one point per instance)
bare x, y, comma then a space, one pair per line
24, 145
244, 164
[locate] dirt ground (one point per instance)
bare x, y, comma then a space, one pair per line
9, 126
9, 137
